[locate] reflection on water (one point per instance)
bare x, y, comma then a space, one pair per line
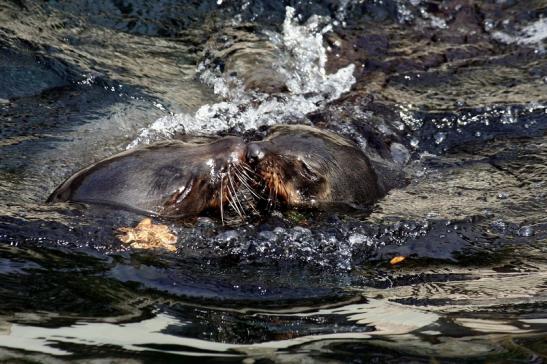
454, 94
356, 324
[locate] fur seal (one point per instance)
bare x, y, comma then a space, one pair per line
304, 166
297, 165
168, 179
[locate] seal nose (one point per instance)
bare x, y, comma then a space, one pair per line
254, 153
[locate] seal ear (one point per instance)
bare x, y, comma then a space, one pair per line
308, 173
315, 184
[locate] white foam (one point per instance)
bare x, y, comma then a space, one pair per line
303, 66
532, 34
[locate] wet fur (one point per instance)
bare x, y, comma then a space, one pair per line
308, 167
169, 179
301, 166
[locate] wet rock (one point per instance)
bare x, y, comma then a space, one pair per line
267, 235
373, 44
399, 153
466, 17
465, 52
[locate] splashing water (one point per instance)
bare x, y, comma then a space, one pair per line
303, 69
292, 285
533, 34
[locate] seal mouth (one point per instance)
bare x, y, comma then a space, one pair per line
237, 189
223, 183
232, 186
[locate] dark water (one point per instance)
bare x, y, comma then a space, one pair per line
455, 92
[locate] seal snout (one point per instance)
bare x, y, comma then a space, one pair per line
255, 153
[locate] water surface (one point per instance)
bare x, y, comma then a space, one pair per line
457, 91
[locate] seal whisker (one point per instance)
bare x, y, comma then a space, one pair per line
249, 188
248, 179
275, 189
250, 201
221, 203
236, 198
272, 197
232, 203
247, 167
253, 206
252, 195
249, 172
244, 172
232, 198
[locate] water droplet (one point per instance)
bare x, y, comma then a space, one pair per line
228, 236
355, 238
440, 137
499, 225
489, 24
526, 231
279, 230
503, 195
267, 235
205, 222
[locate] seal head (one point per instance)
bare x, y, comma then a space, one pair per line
169, 179
304, 166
